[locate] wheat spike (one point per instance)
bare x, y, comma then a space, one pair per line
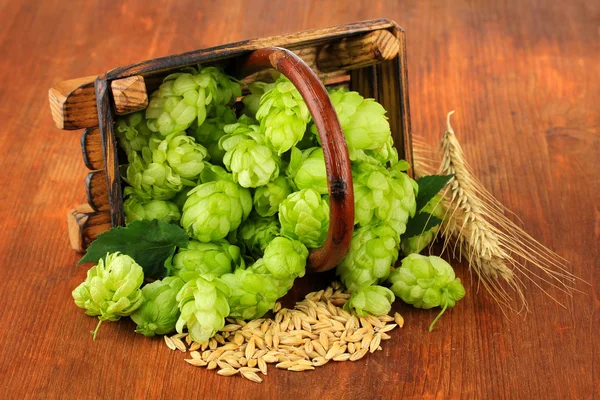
476, 228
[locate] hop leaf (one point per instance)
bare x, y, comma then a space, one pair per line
214, 209
374, 300
111, 289
216, 258
304, 216
160, 311
203, 305
426, 282
267, 198
373, 251
283, 116
416, 244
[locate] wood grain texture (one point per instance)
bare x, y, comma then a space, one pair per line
129, 94
73, 102
522, 77
91, 148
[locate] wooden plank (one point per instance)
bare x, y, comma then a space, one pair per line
85, 225
393, 95
73, 103
129, 94
109, 147
91, 147
358, 51
97, 194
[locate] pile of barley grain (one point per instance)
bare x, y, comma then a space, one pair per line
316, 331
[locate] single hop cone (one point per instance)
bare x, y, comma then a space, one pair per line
310, 173
204, 307
151, 180
283, 116
268, 198
373, 251
181, 153
254, 291
285, 258
250, 160
215, 258
214, 209
426, 282
136, 208
304, 216
111, 289
374, 300
160, 311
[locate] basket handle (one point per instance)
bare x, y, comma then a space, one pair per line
337, 161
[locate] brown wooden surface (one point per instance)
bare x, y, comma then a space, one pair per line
129, 94
523, 78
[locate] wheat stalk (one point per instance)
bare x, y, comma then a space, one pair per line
476, 228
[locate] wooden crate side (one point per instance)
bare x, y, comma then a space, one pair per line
109, 148
91, 147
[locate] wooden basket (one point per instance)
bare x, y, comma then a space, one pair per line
368, 57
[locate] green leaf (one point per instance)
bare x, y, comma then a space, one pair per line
421, 222
149, 242
429, 186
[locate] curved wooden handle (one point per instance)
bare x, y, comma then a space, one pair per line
337, 161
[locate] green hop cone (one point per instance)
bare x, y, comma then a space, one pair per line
374, 300
151, 180
184, 97
285, 258
311, 172
250, 160
160, 311
283, 116
204, 307
252, 100
267, 198
211, 130
373, 251
384, 155
214, 209
216, 258
417, 243
181, 153
137, 209
426, 282
111, 289
304, 216
363, 121
257, 232
132, 132
254, 291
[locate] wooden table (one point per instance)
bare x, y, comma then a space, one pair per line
523, 78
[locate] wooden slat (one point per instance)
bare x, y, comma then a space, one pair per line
91, 147
97, 192
73, 103
364, 81
358, 51
392, 93
74, 107
109, 147
129, 94
85, 225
